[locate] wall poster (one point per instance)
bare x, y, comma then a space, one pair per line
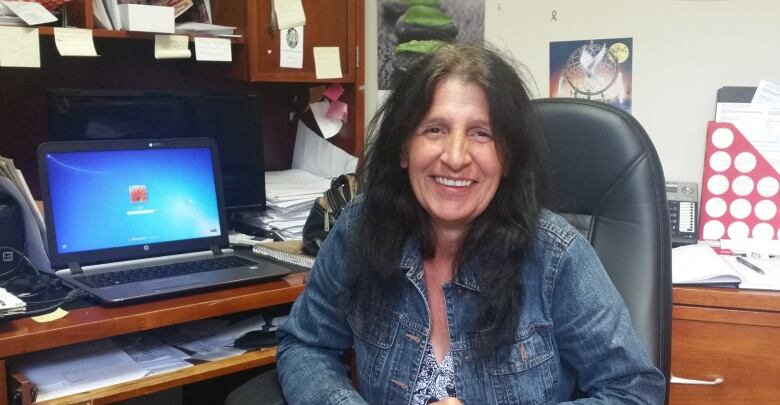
595, 69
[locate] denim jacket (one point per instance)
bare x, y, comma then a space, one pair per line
574, 338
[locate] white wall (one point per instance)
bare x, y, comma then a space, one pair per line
683, 51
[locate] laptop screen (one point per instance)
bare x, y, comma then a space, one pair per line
109, 201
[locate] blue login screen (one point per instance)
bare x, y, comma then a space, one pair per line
110, 199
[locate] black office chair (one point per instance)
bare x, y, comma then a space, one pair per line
608, 182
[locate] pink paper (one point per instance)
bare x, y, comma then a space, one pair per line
337, 110
334, 91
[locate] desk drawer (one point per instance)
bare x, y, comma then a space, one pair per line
746, 356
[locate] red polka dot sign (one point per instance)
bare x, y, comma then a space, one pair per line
740, 187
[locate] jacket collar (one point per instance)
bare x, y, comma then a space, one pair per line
412, 264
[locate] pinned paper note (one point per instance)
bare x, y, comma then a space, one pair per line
338, 110
334, 91
19, 47
328, 126
172, 46
213, 49
30, 13
291, 48
327, 62
288, 13
74, 42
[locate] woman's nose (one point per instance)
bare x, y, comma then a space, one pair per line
456, 151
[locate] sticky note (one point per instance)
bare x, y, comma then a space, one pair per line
334, 91
327, 62
74, 42
289, 13
19, 47
213, 49
338, 110
51, 316
172, 46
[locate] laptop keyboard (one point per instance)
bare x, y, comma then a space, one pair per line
162, 271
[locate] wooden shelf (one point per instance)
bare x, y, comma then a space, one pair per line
147, 36
84, 324
149, 385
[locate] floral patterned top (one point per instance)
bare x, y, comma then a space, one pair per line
435, 381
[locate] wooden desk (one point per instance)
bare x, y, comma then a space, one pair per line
85, 324
727, 333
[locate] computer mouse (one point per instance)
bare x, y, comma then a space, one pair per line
256, 339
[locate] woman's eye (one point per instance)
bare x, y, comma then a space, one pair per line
433, 131
483, 135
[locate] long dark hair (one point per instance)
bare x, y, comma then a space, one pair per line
500, 237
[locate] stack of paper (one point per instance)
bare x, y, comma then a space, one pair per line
77, 368
152, 354
210, 339
198, 28
290, 194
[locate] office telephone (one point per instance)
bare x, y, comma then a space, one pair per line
682, 198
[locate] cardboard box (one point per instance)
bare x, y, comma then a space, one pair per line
138, 17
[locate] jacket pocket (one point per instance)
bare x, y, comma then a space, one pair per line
374, 336
523, 372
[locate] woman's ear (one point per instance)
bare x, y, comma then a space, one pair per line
404, 159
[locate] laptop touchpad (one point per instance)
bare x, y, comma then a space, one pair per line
171, 283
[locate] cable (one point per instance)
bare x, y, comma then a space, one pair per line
72, 295
18, 265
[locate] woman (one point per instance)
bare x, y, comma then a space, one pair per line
447, 277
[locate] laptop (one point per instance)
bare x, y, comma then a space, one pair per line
129, 220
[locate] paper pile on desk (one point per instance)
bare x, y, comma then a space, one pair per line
152, 354
77, 368
210, 339
290, 194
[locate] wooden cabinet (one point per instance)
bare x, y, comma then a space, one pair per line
126, 62
332, 23
328, 23
726, 334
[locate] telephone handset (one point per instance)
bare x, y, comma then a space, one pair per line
682, 198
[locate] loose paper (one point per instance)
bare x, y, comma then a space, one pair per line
213, 49
74, 42
767, 93
31, 13
289, 13
19, 47
318, 156
291, 48
172, 46
327, 62
328, 126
